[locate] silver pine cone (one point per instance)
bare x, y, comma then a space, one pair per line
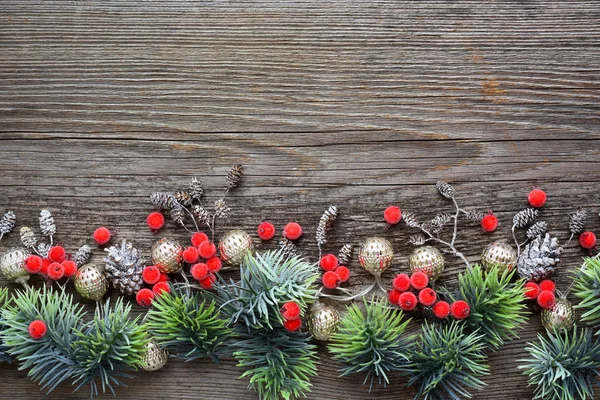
417, 240
162, 200
445, 189
537, 229
42, 249
411, 220
234, 176
474, 215
82, 256
325, 224
539, 258
27, 237
196, 188
221, 209
200, 213
525, 217
436, 225
7, 222
47, 224
577, 222
177, 213
124, 266
345, 255
183, 198
288, 248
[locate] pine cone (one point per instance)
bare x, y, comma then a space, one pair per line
525, 217
7, 222
178, 214
445, 189
183, 198
345, 255
42, 249
82, 256
124, 267
538, 259
200, 213
577, 222
234, 176
221, 209
436, 225
47, 224
417, 240
196, 189
325, 224
163, 200
474, 215
288, 248
537, 229
411, 220
27, 237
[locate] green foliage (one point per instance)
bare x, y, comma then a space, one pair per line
447, 362
188, 327
96, 353
586, 286
372, 342
280, 363
565, 366
4, 357
267, 281
498, 306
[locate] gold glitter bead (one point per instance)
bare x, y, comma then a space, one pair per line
167, 255
323, 321
499, 254
155, 357
91, 282
376, 255
561, 316
12, 264
427, 259
234, 245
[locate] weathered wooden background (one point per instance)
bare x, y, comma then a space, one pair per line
353, 103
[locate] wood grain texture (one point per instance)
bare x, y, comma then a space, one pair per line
358, 104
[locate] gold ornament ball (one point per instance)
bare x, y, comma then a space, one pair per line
499, 254
376, 255
323, 321
155, 357
167, 255
234, 245
561, 316
12, 264
427, 259
91, 282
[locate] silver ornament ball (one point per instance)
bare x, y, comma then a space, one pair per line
323, 321
499, 254
234, 245
167, 255
427, 259
12, 265
376, 255
91, 282
155, 357
561, 316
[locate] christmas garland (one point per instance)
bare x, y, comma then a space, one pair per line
194, 312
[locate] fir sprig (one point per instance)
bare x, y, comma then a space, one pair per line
565, 366
372, 342
447, 362
4, 357
586, 286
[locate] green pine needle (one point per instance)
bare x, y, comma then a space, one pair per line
188, 327
372, 342
586, 286
4, 357
565, 366
447, 362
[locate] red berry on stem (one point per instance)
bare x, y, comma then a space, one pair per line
56, 271
155, 220
537, 198
214, 264
102, 236
70, 267
329, 262
190, 255
292, 325
290, 311
207, 283
37, 329
198, 238
199, 271
343, 273
460, 309
57, 254
547, 284
392, 215
144, 297
401, 282
408, 301
419, 280
427, 297
160, 288
266, 230
292, 231
587, 240
489, 223
532, 290
45, 264
546, 299
151, 274
34, 264
207, 249
441, 309
164, 278
394, 296
330, 280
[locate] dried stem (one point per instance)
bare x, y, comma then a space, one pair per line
455, 231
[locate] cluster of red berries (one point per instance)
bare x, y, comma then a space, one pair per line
291, 231
291, 314
403, 295
542, 292
37, 329
159, 282
202, 256
335, 274
56, 266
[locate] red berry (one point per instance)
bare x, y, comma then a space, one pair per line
329, 262
144, 297
198, 238
460, 309
537, 198
207, 283
546, 299
151, 274
419, 280
199, 271
57, 254
37, 329
408, 301
401, 282
343, 273
164, 278
392, 215
427, 297
190, 255
330, 280
56, 271
45, 264
266, 230
547, 285
441, 309
532, 290
34, 264
70, 267
587, 240
394, 296
290, 311
292, 231
155, 220
214, 264
207, 249
102, 236
489, 223
160, 288
293, 325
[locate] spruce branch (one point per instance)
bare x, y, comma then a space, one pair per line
586, 286
4, 299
